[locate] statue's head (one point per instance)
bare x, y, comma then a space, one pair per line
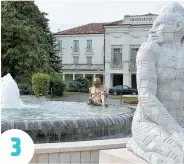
169, 25
97, 82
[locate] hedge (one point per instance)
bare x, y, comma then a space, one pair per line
40, 84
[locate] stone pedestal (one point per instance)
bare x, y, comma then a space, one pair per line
119, 156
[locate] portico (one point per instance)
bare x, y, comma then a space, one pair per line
67, 77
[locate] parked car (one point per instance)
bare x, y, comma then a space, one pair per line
122, 89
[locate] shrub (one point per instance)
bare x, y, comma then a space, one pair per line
80, 84
25, 88
57, 84
83, 90
24, 84
40, 84
72, 86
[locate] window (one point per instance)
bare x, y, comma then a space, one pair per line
117, 56
89, 59
89, 45
76, 46
75, 60
59, 44
133, 56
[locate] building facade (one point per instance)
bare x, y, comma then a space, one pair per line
122, 42
105, 50
82, 51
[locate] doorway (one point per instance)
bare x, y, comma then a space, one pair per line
117, 79
134, 81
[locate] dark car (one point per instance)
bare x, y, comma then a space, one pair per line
122, 89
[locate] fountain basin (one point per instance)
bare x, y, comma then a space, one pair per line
52, 121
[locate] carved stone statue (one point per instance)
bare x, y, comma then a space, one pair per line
158, 123
98, 93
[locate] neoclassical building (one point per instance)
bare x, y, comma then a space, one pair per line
105, 50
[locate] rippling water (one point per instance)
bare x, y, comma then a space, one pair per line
49, 110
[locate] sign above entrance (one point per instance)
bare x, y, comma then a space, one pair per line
139, 19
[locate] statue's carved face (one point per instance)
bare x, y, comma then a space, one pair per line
97, 82
165, 27
162, 30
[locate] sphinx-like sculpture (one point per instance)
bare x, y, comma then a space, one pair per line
97, 93
158, 123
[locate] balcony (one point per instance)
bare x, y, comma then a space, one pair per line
116, 65
89, 51
132, 66
90, 67
75, 51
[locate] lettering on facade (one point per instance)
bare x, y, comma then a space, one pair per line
141, 19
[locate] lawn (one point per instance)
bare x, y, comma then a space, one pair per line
68, 94
115, 96
72, 96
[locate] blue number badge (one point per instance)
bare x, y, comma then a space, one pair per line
16, 146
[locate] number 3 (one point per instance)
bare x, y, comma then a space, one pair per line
16, 146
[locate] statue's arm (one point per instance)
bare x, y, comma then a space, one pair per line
152, 108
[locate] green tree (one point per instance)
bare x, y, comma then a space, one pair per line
28, 46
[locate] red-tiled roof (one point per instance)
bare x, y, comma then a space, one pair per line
92, 28
149, 14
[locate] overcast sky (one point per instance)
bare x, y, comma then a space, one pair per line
68, 14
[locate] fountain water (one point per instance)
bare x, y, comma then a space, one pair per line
58, 121
10, 96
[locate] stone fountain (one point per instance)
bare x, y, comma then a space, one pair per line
57, 121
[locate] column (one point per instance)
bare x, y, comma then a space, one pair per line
126, 79
73, 76
63, 77
107, 80
111, 80
84, 75
126, 57
94, 75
